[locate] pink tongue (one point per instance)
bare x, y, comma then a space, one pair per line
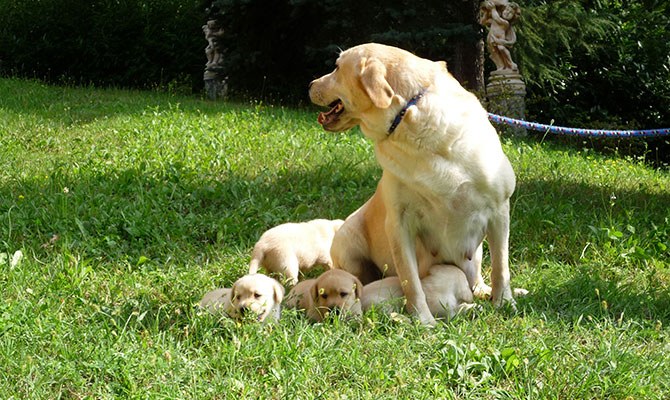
322, 118
326, 117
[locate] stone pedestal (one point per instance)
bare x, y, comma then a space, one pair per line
505, 95
215, 86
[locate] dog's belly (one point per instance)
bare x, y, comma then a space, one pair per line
450, 227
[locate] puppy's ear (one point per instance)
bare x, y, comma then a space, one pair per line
358, 287
279, 291
314, 292
232, 292
373, 78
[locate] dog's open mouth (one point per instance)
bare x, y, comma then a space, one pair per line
327, 118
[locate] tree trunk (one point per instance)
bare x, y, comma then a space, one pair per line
469, 51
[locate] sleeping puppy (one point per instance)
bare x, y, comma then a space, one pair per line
446, 180
255, 295
446, 288
294, 247
333, 292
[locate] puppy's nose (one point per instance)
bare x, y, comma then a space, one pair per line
243, 310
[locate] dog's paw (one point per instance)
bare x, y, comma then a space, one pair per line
427, 321
518, 292
507, 300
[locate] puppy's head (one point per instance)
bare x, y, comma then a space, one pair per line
255, 296
337, 291
365, 82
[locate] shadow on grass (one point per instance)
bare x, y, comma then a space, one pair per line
607, 246
178, 213
563, 219
585, 299
173, 212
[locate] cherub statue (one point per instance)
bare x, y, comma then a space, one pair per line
213, 34
499, 15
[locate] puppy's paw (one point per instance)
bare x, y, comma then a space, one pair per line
518, 292
396, 317
481, 291
468, 310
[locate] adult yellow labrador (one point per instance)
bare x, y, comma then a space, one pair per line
446, 182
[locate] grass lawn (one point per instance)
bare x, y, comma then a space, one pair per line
128, 206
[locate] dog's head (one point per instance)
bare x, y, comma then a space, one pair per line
255, 296
336, 291
369, 85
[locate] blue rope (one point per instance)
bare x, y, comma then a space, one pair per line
576, 131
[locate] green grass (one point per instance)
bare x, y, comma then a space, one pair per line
156, 199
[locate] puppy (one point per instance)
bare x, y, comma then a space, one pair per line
294, 247
446, 181
334, 291
255, 295
446, 288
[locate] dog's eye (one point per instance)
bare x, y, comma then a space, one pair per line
343, 294
324, 296
257, 295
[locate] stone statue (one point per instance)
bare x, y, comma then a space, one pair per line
213, 34
499, 15
215, 81
505, 91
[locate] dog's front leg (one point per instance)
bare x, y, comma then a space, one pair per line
479, 289
498, 237
402, 240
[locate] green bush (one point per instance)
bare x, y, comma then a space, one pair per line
126, 43
603, 65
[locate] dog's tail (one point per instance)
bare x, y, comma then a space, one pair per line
256, 259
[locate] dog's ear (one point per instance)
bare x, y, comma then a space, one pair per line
279, 291
373, 78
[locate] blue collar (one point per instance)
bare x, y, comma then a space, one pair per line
401, 114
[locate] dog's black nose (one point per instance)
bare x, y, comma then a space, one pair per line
243, 310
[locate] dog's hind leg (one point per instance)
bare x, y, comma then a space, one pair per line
350, 252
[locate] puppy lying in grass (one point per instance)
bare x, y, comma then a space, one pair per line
253, 296
294, 247
333, 292
446, 288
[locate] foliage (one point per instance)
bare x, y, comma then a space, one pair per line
156, 199
125, 43
300, 39
599, 64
